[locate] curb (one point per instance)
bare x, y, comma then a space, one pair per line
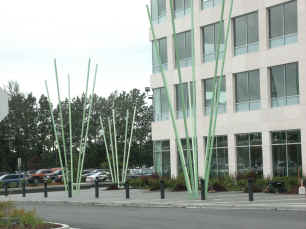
63, 226
166, 205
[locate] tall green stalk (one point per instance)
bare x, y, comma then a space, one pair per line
125, 139
83, 122
130, 143
88, 123
112, 148
116, 148
165, 82
56, 136
70, 133
61, 117
216, 98
181, 91
107, 153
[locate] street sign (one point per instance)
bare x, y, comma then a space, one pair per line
3, 104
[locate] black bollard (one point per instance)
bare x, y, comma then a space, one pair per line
6, 189
202, 189
69, 189
162, 189
45, 189
127, 190
23, 189
250, 189
97, 188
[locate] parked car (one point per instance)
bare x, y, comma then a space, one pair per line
55, 176
90, 179
40, 174
12, 179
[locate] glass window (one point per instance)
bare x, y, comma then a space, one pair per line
286, 152
160, 101
158, 9
283, 24
183, 45
249, 153
182, 7
162, 49
210, 35
284, 85
210, 3
246, 33
208, 94
219, 162
188, 155
247, 91
187, 94
162, 157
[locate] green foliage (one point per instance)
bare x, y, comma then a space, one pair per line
27, 131
10, 215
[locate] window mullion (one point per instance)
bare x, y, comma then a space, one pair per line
284, 20
285, 86
247, 34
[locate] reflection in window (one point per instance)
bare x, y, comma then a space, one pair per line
182, 7
286, 152
284, 85
210, 3
162, 49
219, 160
158, 10
187, 93
247, 91
283, 24
249, 153
208, 94
160, 103
246, 33
187, 156
210, 36
161, 157
183, 45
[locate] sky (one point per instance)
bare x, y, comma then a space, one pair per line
114, 34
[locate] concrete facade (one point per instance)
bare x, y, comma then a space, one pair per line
264, 120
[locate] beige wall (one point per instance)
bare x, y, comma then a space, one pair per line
264, 120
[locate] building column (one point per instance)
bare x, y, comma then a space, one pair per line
303, 152
201, 155
173, 158
232, 155
267, 155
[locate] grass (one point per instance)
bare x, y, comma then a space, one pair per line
13, 218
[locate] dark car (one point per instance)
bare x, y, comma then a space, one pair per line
12, 179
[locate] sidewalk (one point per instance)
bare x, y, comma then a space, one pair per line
144, 198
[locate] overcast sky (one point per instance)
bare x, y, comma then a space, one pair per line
113, 33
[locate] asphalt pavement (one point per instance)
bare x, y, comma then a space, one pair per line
99, 217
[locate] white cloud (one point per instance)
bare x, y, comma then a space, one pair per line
113, 33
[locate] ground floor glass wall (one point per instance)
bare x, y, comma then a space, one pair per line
286, 152
249, 153
161, 156
219, 160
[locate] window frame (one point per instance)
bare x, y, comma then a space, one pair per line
284, 39
185, 11
216, 31
248, 47
155, 66
249, 146
164, 116
285, 144
161, 17
250, 102
221, 106
275, 101
162, 151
